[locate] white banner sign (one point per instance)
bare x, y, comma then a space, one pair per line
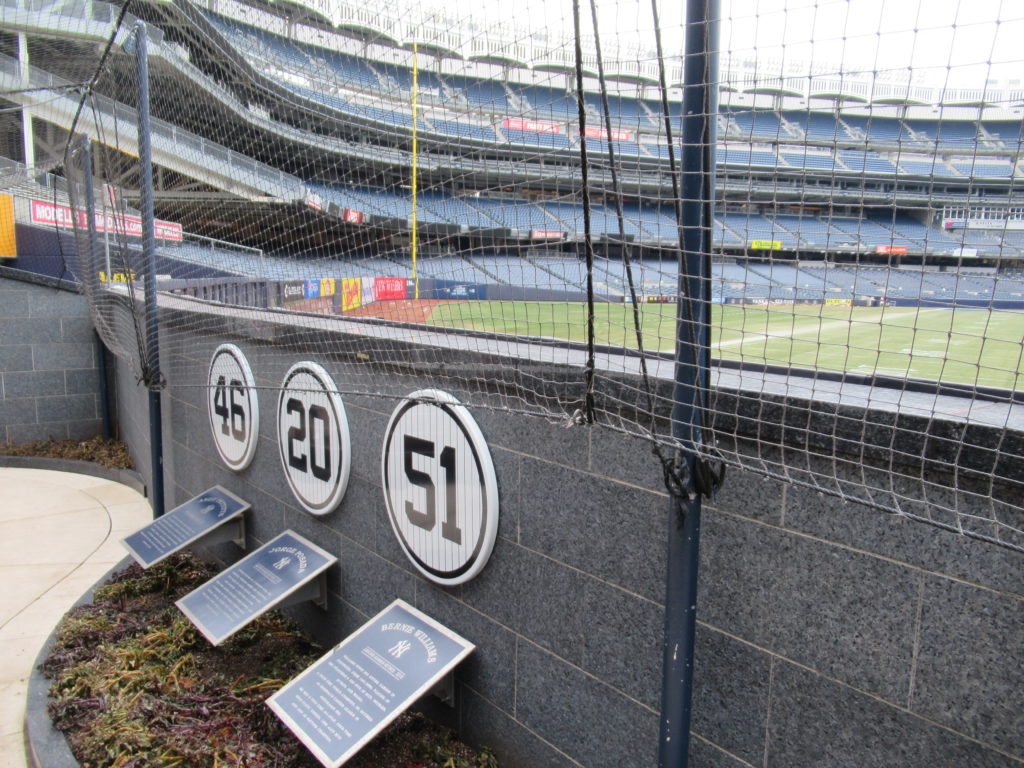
49, 214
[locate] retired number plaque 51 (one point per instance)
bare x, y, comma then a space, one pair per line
233, 405
440, 487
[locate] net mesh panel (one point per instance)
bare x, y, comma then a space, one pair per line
418, 186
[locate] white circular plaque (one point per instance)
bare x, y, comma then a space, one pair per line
440, 487
233, 404
312, 433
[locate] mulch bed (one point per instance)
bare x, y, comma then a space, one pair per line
111, 454
135, 685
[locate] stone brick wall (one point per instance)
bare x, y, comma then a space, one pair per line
49, 381
830, 634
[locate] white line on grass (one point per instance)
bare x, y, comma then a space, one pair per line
788, 333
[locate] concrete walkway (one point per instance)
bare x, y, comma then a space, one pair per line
59, 534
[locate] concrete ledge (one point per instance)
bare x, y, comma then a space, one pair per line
128, 477
45, 746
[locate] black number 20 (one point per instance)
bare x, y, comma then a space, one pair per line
297, 436
225, 406
427, 519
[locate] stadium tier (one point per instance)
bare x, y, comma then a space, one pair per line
487, 136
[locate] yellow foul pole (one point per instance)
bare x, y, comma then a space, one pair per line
415, 157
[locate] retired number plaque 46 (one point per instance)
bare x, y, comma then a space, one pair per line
234, 407
440, 487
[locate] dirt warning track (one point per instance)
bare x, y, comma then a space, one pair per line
401, 310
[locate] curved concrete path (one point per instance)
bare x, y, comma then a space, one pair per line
59, 534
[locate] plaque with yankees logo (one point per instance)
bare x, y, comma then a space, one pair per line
353, 692
283, 570
184, 525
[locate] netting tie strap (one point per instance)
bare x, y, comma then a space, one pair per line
676, 474
578, 419
707, 478
709, 475
153, 379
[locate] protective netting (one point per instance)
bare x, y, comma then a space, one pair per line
490, 195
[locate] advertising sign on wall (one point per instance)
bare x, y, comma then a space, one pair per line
894, 250
351, 293
352, 216
292, 292
546, 234
594, 132
765, 245
440, 487
313, 437
535, 126
389, 288
233, 406
48, 214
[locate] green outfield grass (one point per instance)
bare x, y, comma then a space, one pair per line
971, 346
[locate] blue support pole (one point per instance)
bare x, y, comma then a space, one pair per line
90, 210
152, 360
691, 376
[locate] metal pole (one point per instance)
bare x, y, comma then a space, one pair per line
89, 274
691, 370
152, 362
27, 131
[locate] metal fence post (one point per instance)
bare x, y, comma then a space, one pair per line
152, 359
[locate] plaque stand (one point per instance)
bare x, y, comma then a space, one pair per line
232, 530
314, 591
445, 689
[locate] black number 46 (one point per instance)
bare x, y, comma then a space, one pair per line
427, 519
230, 410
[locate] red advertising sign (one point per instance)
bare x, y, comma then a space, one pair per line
49, 214
385, 288
546, 234
536, 126
593, 132
893, 250
352, 216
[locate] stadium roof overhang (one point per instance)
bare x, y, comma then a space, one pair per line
433, 48
296, 11
499, 59
837, 97
771, 90
561, 68
630, 77
900, 101
366, 32
976, 103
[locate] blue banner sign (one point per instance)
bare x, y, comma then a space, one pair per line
184, 525
254, 585
350, 695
